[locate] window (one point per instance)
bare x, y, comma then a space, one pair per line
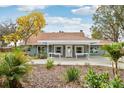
94, 49
39, 49
58, 49
29, 49
79, 49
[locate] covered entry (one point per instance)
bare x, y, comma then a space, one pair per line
68, 48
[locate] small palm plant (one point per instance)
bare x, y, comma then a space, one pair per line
72, 74
115, 52
13, 68
50, 63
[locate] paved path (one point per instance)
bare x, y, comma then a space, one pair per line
101, 61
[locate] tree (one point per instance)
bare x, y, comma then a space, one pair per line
115, 52
96, 34
13, 37
7, 27
110, 21
30, 24
13, 67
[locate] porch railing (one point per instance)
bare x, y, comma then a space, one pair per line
52, 53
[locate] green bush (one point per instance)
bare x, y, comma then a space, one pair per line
50, 63
13, 67
116, 83
42, 54
72, 74
94, 80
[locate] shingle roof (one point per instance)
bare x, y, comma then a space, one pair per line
33, 40
57, 36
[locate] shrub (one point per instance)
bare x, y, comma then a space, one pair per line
50, 63
72, 74
13, 67
43, 54
116, 83
103, 80
94, 80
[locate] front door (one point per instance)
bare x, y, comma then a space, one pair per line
68, 51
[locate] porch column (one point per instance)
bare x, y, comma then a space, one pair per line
47, 50
89, 52
37, 50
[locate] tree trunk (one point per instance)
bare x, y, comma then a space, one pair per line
116, 68
113, 68
15, 44
26, 40
115, 40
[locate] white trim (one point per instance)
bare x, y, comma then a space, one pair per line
79, 46
89, 47
87, 55
66, 50
58, 46
71, 42
50, 54
47, 50
37, 49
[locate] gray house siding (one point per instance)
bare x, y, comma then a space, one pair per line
32, 50
73, 52
35, 50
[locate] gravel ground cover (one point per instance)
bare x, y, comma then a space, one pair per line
40, 77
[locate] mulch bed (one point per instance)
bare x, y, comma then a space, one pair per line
40, 77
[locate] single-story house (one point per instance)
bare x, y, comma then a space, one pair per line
64, 44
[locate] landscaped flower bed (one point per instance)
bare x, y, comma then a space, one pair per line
41, 77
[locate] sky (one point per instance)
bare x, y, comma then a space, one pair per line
58, 17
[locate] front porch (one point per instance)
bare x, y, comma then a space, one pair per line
69, 51
66, 49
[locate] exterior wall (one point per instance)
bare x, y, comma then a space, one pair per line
35, 51
73, 52
63, 50
86, 49
32, 50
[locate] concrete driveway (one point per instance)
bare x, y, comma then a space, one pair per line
94, 60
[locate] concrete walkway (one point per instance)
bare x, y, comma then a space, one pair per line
96, 60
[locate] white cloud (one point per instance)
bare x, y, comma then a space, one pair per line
29, 8
63, 21
65, 24
85, 10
